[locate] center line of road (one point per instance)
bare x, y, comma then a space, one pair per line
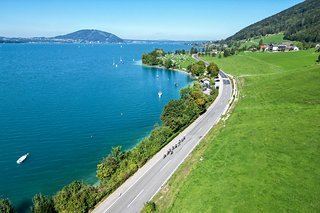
135, 198
165, 165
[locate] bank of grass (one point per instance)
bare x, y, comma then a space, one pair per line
266, 158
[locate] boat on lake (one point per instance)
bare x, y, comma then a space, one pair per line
159, 94
22, 158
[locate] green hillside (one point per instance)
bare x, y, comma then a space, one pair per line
300, 23
265, 157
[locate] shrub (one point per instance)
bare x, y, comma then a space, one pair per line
149, 207
6, 206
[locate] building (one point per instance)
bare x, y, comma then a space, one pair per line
205, 82
282, 47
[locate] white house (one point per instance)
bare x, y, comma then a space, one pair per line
205, 82
275, 48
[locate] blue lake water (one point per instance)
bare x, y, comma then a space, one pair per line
67, 105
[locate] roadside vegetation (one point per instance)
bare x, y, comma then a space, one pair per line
265, 157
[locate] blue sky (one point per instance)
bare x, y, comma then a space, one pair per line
141, 19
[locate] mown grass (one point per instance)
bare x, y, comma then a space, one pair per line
266, 158
277, 38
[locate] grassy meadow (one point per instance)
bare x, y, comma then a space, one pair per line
182, 61
275, 39
266, 156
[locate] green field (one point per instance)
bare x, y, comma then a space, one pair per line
266, 156
276, 39
183, 61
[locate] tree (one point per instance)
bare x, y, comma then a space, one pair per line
260, 43
213, 69
42, 203
6, 206
109, 165
193, 50
198, 68
75, 197
226, 53
298, 44
318, 59
168, 63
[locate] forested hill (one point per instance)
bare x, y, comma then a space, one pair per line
300, 22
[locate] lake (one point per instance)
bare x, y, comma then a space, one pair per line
68, 104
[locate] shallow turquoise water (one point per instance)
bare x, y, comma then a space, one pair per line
67, 105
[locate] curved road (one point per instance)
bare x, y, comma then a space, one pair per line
148, 180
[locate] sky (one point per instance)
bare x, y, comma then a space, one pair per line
136, 19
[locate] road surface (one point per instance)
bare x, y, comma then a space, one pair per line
148, 180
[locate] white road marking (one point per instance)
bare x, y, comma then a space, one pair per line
135, 198
127, 190
165, 165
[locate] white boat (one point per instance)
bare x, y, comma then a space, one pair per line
22, 158
113, 63
121, 60
159, 94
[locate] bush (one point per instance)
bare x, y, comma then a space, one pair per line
6, 206
149, 207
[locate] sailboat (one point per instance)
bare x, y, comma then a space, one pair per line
160, 92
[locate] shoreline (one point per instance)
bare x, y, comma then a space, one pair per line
164, 68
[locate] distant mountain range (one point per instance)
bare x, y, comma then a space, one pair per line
89, 37
300, 23
81, 36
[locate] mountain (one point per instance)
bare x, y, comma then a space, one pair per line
300, 22
81, 36
87, 36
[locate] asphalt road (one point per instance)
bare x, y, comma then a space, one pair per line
147, 181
